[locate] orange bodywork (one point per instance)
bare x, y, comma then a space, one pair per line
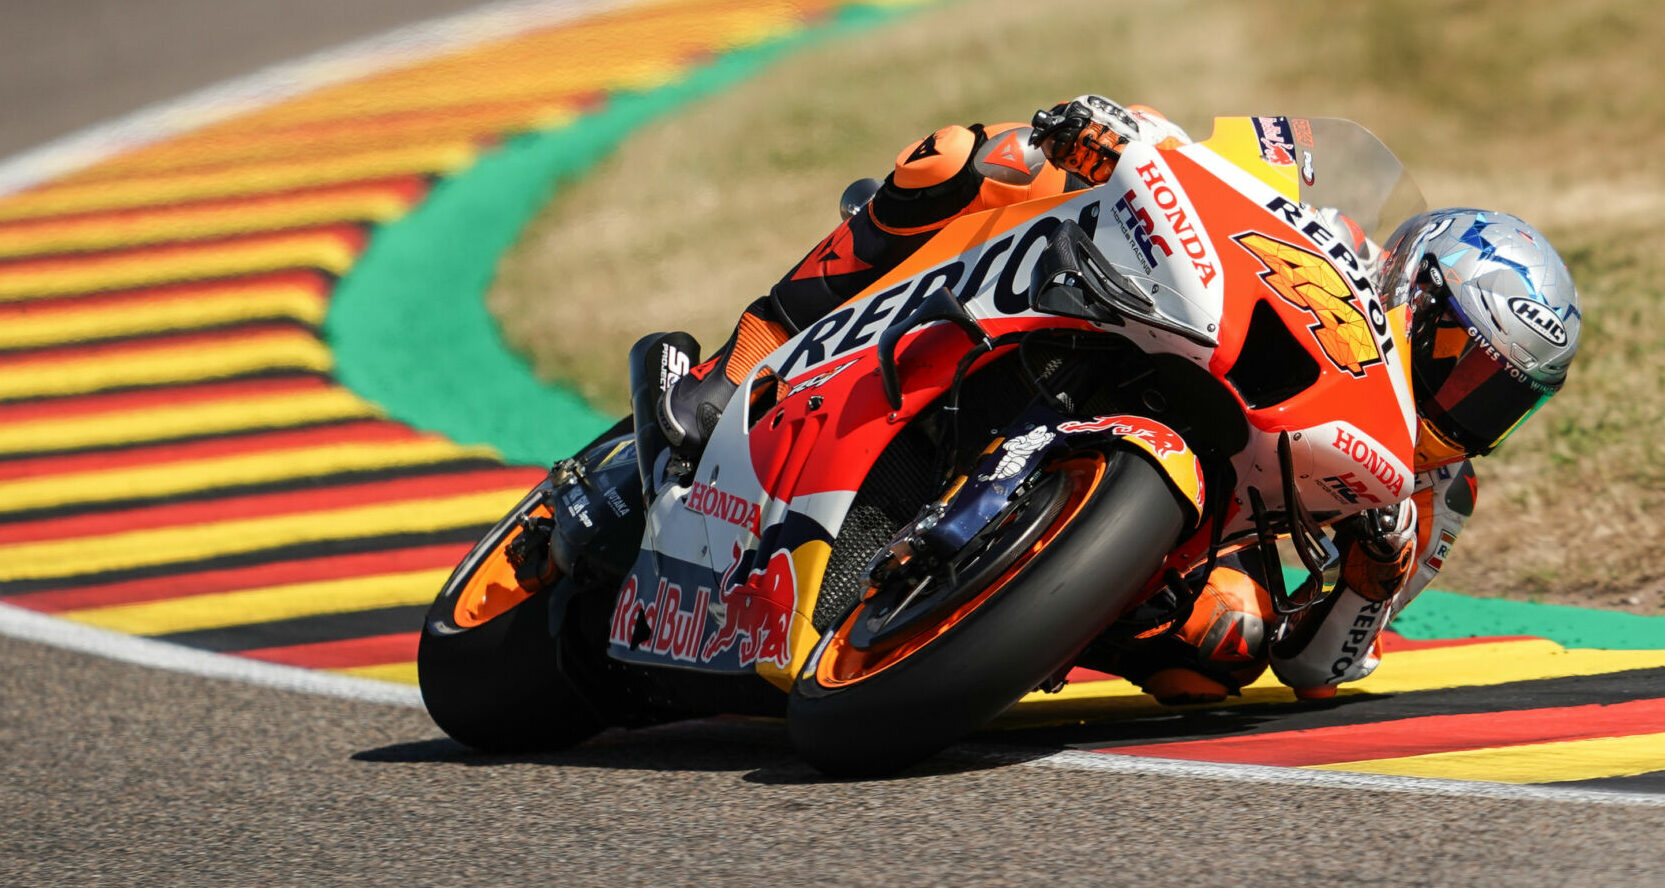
494, 589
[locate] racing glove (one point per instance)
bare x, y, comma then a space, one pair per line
1085, 136
1382, 547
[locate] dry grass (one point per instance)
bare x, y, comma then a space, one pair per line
1539, 108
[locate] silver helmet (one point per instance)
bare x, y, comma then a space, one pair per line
1494, 323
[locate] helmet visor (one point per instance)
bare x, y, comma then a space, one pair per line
1467, 391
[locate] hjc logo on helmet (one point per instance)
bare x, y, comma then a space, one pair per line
1540, 318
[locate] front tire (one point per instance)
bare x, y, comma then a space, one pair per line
489, 669
857, 713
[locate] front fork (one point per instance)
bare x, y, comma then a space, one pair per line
974, 503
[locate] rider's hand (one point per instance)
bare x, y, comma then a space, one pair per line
1085, 136
1382, 546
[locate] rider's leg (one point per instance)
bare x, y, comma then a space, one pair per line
1221, 646
954, 171
691, 410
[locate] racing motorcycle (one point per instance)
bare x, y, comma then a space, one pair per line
1024, 446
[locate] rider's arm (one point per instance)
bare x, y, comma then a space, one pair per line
1383, 572
1086, 135
959, 170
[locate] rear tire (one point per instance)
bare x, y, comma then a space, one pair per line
854, 714
492, 678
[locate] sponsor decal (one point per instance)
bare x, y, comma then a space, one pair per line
1441, 551
1359, 635
1178, 214
1380, 467
820, 379
673, 362
1010, 153
1301, 128
1541, 318
1347, 488
616, 502
1015, 453
1338, 249
1277, 140
577, 505
672, 631
1309, 282
624, 613
1502, 360
754, 617
707, 500
1201, 496
1139, 230
1163, 440
997, 266
1308, 174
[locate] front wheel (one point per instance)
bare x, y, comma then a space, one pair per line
1062, 565
489, 668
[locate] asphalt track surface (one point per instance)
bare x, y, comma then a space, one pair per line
69, 64
139, 777
122, 775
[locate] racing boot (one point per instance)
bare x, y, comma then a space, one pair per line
1219, 647
690, 409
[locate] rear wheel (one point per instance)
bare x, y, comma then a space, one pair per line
1015, 609
489, 669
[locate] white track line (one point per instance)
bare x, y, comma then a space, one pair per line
1126, 764
769, 732
30, 625
402, 46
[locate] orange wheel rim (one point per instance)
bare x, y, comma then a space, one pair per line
493, 589
844, 664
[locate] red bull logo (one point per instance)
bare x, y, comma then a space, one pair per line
1163, 441
757, 615
753, 617
672, 631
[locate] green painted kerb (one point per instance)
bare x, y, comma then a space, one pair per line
409, 326
1448, 615
410, 330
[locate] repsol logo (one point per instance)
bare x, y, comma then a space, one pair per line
1359, 636
1346, 261
998, 265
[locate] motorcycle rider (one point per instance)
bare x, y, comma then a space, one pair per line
1493, 325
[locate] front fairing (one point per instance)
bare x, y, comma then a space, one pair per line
1227, 239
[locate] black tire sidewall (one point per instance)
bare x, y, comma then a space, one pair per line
1062, 599
497, 686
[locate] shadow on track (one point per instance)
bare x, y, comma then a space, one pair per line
757, 747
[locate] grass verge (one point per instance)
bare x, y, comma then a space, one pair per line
1538, 108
